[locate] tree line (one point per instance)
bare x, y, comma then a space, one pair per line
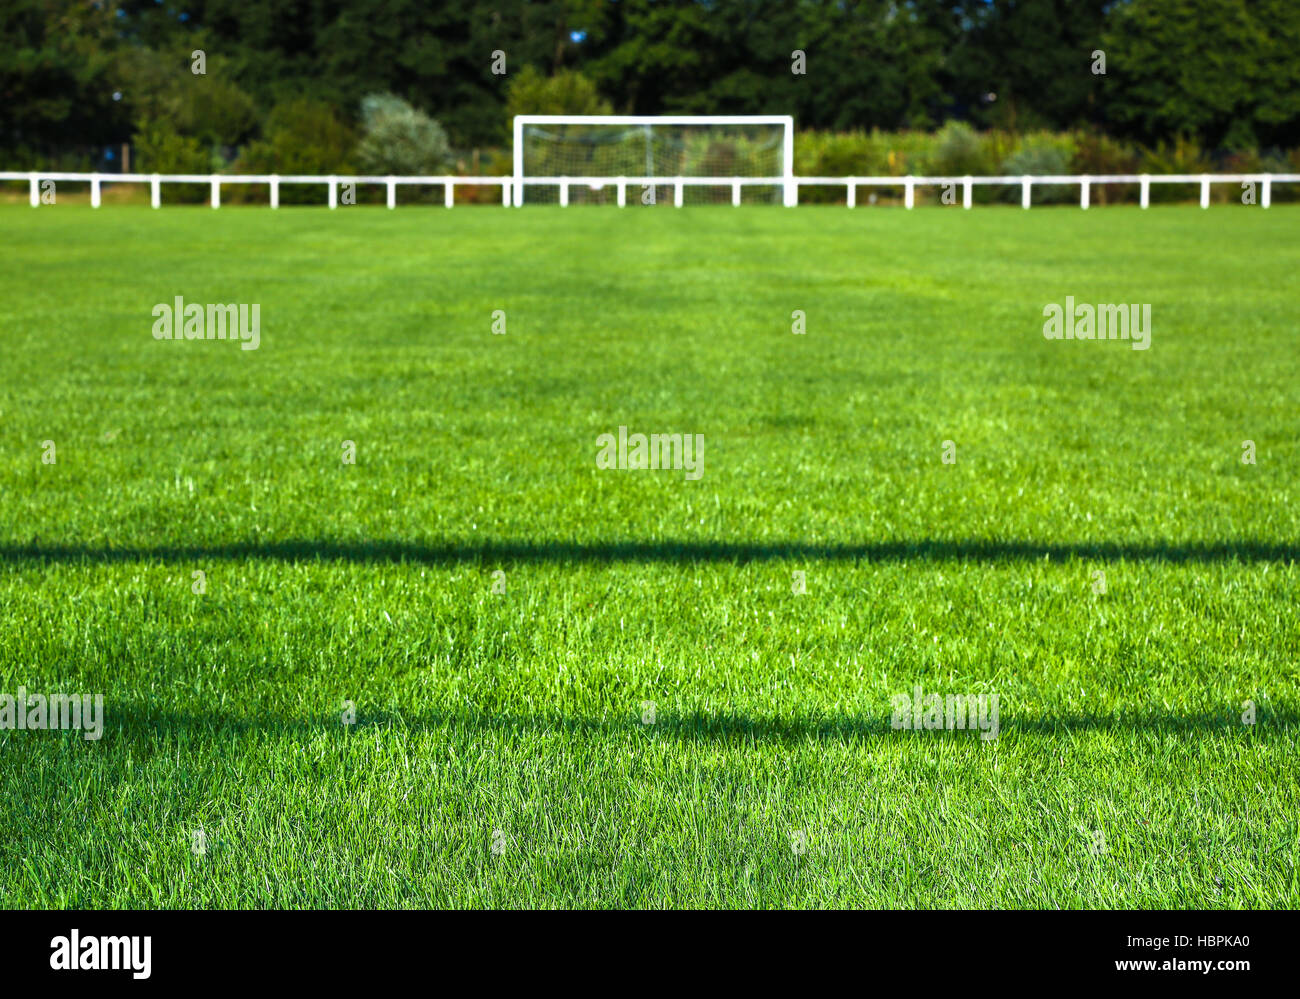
289, 84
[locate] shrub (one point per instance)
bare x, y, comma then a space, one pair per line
302, 136
400, 139
1095, 153
567, 92
1276, 161
1183, 155
833, 154
1039, 154
222, 114
958, 150
159, 148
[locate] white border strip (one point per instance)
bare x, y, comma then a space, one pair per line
515, 184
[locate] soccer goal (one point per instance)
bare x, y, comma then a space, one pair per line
654, 159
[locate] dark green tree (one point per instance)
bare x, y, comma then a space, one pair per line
58, 77
1226, 72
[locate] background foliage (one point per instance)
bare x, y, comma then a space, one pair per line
1205, 81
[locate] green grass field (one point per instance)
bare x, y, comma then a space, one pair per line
504, 751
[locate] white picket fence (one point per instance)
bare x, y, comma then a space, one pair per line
512, 187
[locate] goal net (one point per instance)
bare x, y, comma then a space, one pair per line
647, 155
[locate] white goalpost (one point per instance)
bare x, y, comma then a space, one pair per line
696, 158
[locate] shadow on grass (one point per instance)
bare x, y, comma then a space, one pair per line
668, 550
137, 722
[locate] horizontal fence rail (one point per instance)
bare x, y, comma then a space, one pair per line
512, 187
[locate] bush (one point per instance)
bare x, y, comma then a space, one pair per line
862, 154
567, 92
1184, 155
839, 154
159, 148
482, 162
1095, 153
302, 136
400, 139
831, 154
222, 114
958, 150
1040, 154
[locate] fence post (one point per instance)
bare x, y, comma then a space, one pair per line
512, 188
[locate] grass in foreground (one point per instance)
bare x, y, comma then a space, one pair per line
501, 753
